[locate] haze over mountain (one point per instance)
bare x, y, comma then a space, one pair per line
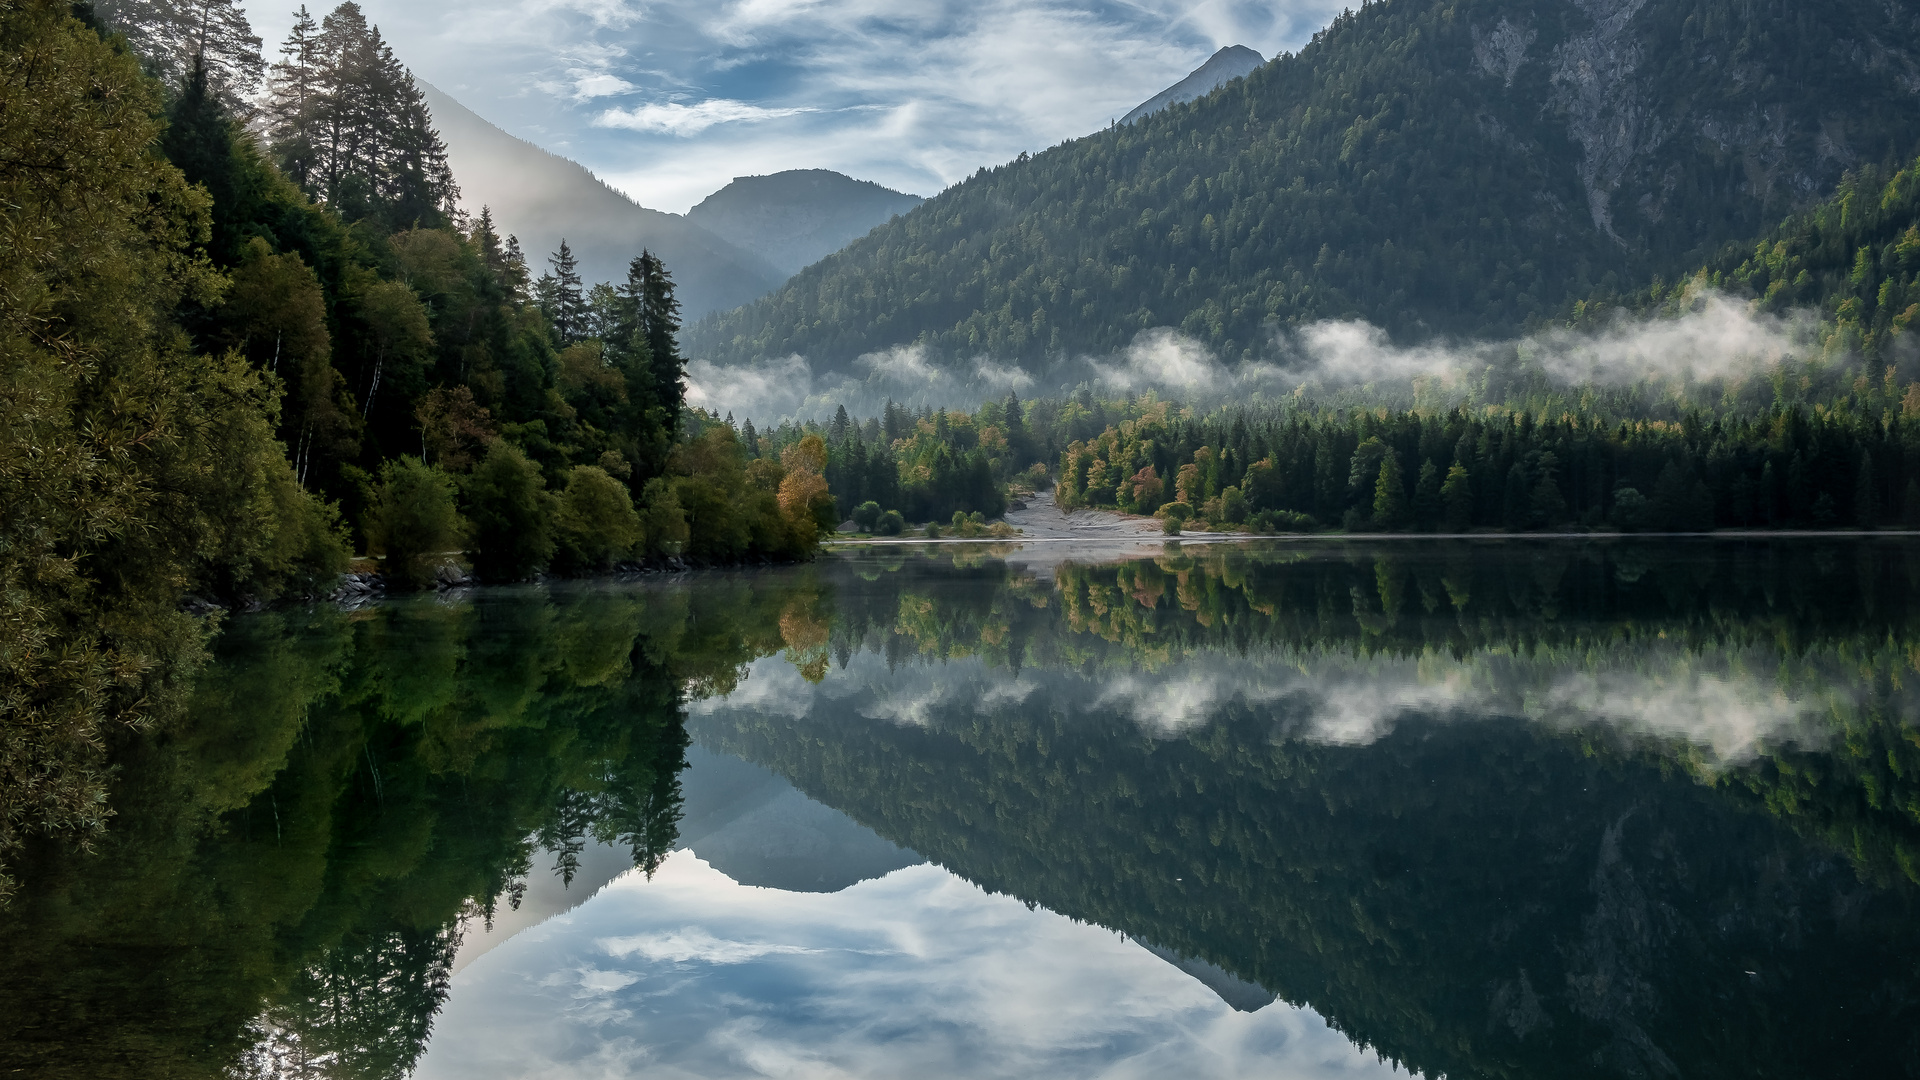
1437, 169
541, 197
794, 219
1221, 68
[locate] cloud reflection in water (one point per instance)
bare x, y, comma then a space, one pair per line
916, 973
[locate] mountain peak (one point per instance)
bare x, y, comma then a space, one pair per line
798, 217
1222, 67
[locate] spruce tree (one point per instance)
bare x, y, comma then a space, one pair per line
1457, 493
1866, 495
347, 122
566, 305
1390, 494
178, 36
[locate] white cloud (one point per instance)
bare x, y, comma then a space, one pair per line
956, 85
692, 944
589, 85
918, 973
673, 118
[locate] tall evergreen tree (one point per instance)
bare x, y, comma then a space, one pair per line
348, 123
175, 36
567, 308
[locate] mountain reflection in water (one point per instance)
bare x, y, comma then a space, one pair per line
1506, 809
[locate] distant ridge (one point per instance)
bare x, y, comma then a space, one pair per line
1221, 68
798, 217
541, 197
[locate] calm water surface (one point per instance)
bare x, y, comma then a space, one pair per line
1507, 809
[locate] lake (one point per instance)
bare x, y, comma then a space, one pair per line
1512, 808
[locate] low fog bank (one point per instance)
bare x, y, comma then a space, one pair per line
1726, 702
1718, 347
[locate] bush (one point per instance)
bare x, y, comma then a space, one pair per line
1283, 521
933, 530
412, 521
596, 524
1233, 506
890, 524
1179, 511
1631, 511
665, 527
512, 515
1170, 525
867, 515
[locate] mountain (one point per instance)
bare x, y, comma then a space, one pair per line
1220, 69
796, 218
541, 197
1437, 167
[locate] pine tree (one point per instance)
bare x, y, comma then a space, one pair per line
293, 91
1457, 493
347, 122
1427, 507
566, 305
1517, 508
176, 35
1866, 495
1390, 494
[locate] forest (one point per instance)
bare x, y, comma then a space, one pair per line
1415, 166
229, 361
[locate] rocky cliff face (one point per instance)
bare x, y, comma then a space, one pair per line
1656, 99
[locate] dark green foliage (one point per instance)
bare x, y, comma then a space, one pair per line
292, 858
1408, 167
594, 523
134, 469
1854, 257
349, 125
506, 500
414, 523
1516, 471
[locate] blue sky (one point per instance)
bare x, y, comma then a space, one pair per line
669, 100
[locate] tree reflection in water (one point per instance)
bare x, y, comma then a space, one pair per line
1503, 809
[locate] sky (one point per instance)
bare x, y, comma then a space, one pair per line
918, 973
671, 99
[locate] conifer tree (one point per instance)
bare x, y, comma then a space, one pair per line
1457, 493
566, 307
175, 36
348, 123
1390, 494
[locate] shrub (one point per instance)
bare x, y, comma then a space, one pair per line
412, 521
665, 527
1170, 525
1282, 521
890, 524
596, 524
1631, 511
866, 515
1233, 505
512, 515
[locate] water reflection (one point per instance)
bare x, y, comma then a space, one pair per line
915, 973
1504, 809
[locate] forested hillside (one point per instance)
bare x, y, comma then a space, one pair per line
227, 364
1853, 257
1460, 167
